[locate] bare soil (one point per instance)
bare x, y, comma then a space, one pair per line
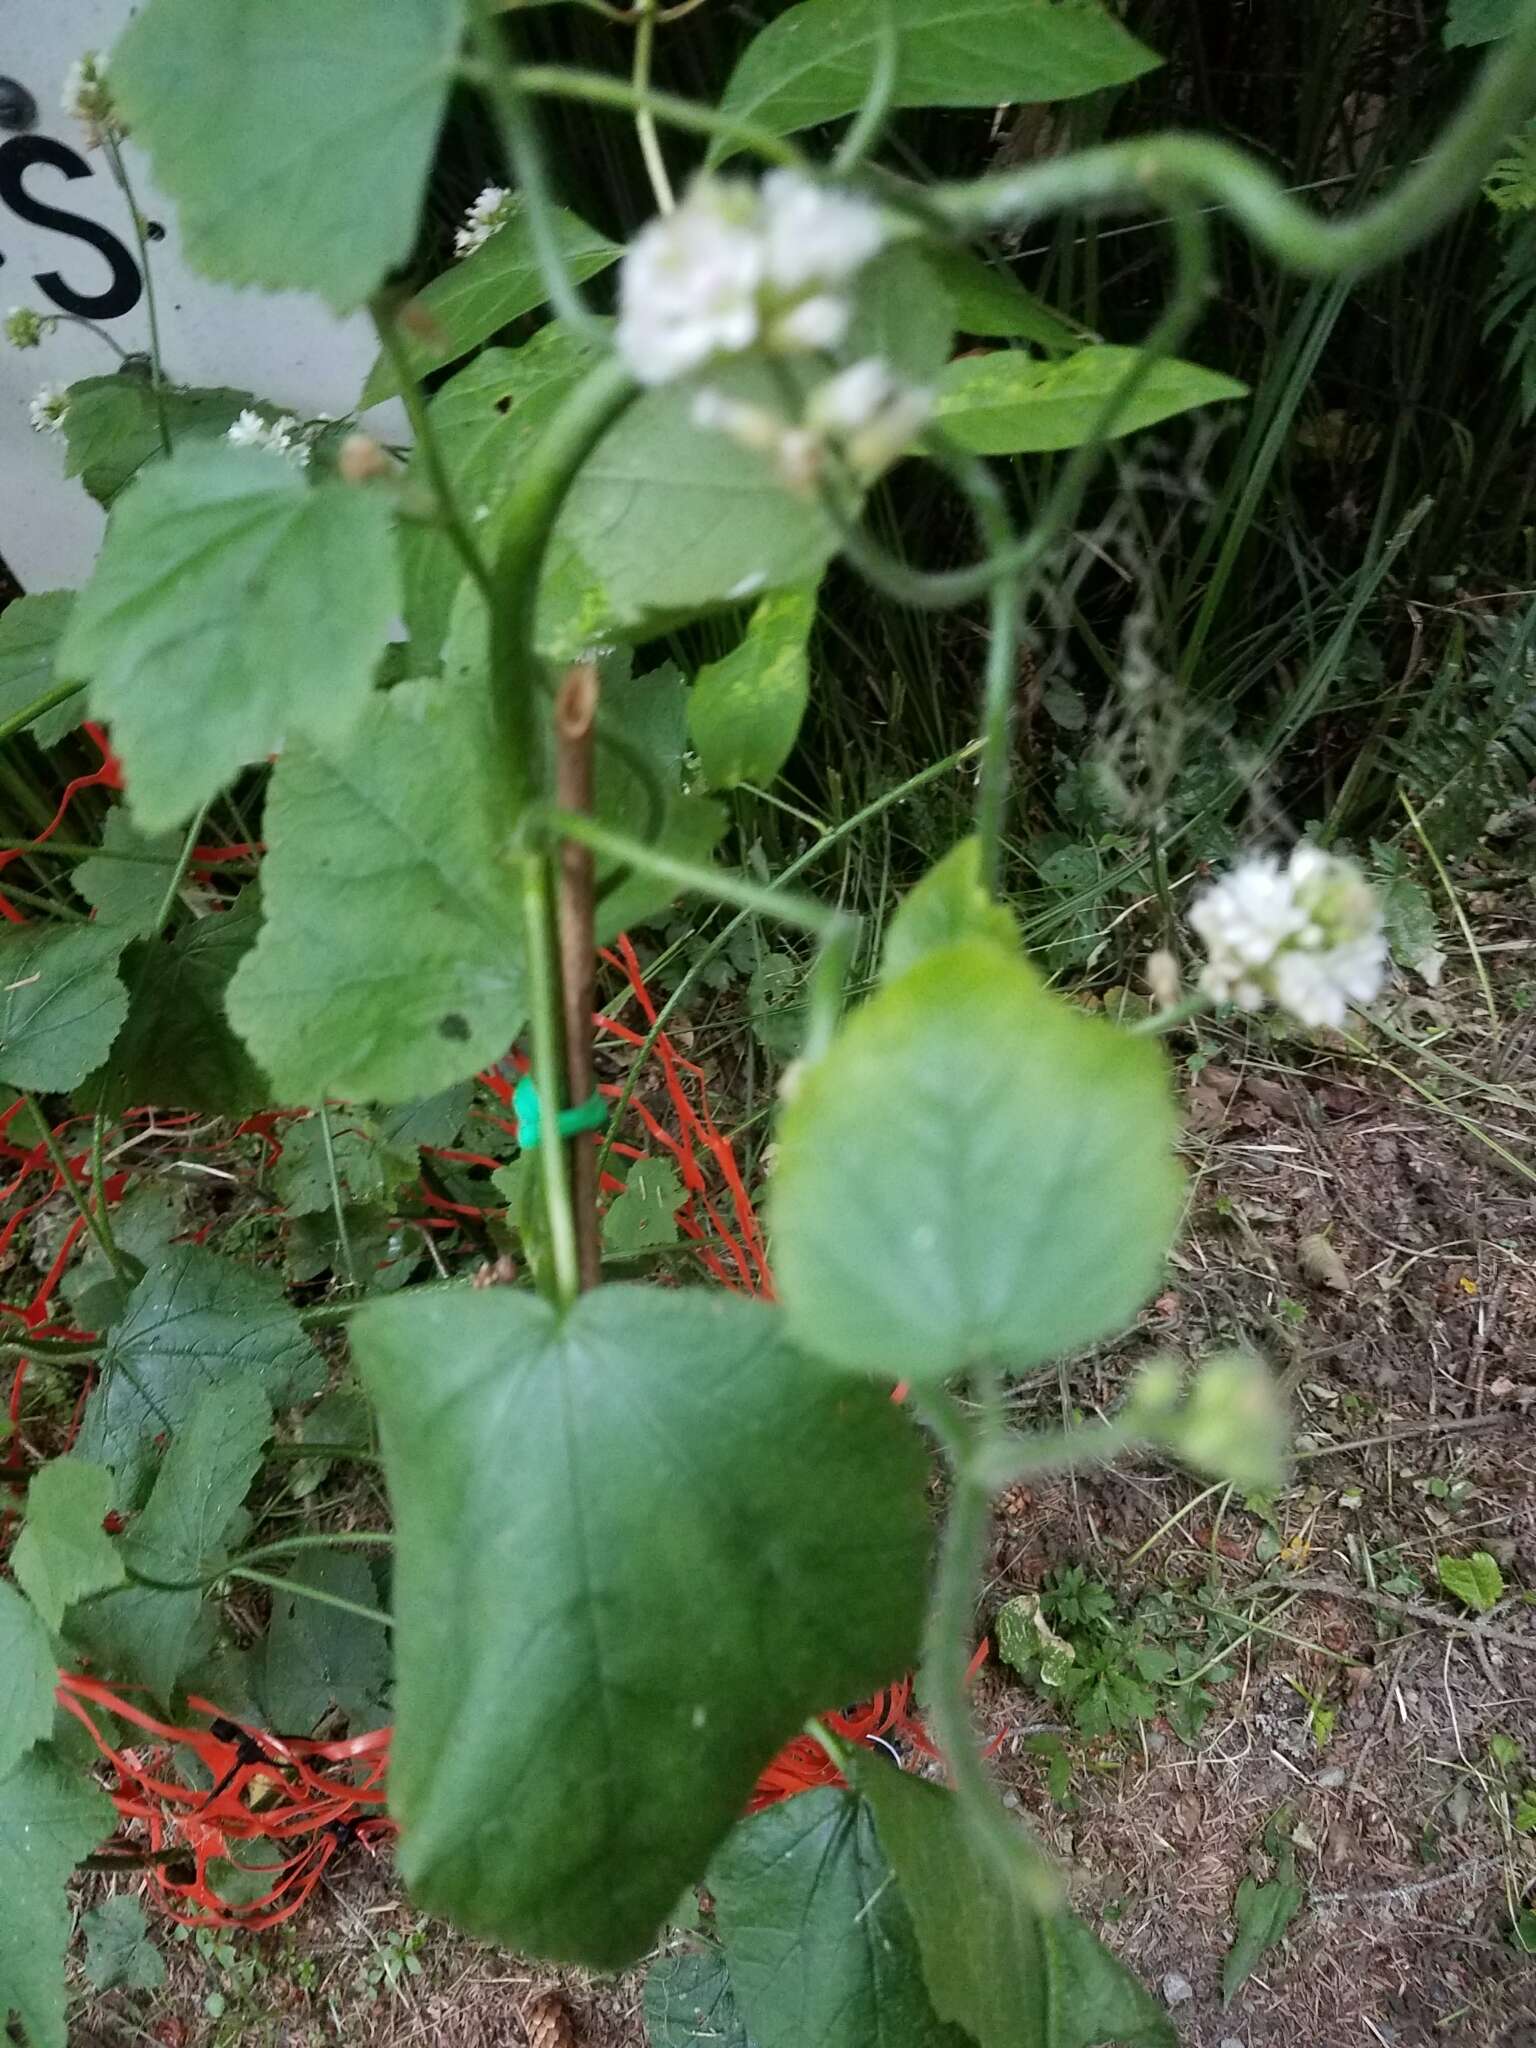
1410, 1366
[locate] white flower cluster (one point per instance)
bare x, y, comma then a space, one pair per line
1307, 935
87, 97
865, 413
47, 408
492, 210
737, 267
282, 436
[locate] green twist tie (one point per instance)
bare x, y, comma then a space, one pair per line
591, 1115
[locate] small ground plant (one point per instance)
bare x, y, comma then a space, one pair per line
641, 1536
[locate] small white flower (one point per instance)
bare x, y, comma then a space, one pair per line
47, 408
87, 97
689, 286
872, 415
491, 211
815, 237
1307, 935
283, 436
735, 268
818, 323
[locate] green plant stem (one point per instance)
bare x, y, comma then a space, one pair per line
60, 693
799, 912
1007, 1457
1024, 559
645, 120
59, 1350
95, 1224
1451, 897
338, 1539
728, 931
1000, 688
430, 449
601, 89
141, 242
300, 1591
338, 1210
548, 1068
868, 125
1196, 1004
1150, 167
321, 1314
96, 332
508, 93
523, 526
947, 1653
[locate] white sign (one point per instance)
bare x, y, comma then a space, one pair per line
67, 246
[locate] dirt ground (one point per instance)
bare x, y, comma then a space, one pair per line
1406, 1348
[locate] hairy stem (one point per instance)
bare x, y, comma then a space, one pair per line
947, 1653
94, 1223
645, 120
1145, 170
509, 101
430, 449
523, 527
141, 242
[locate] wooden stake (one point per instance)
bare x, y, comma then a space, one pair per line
575, 726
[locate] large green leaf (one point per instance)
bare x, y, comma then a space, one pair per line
651, 713
689, 2003
317, 1658
1469, 22
30, 631
294, 135
1010, 403
485, 419
145, 1632
50, 1818
390, 963
948, 904
902, 314
61, 1003
177, 1048
996, 1965
493, 286
27, 1674
580, 1716
64, 1554
667, 520
118, 1950
745, 709
196, 1322
817, 1936
113, 426
976, 1171
234, 606
816, 61
126, 882
988, 300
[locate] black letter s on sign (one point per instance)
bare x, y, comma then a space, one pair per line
17, 155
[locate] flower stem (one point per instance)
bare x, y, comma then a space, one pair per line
141, 241
94, 1223
430, 448
645, 120
947, 1651
523, 526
